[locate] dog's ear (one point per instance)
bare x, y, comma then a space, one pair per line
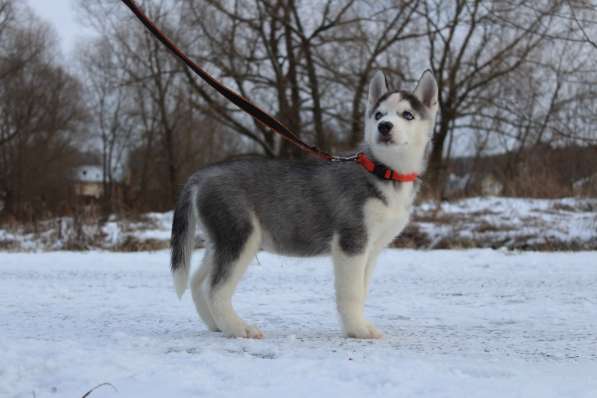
426, 90
377, 88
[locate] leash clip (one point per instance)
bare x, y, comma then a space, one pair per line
351, 158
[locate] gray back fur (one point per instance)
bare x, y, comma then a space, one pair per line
299, 204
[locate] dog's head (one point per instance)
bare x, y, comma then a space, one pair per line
399, 124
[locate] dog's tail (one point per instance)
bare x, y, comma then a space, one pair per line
183, 236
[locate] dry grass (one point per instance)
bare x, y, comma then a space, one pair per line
485, 227
132, 244
9, 245
522, 243
436, 218
411, 238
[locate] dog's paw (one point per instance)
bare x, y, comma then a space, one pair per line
364, 331
253, 332
374, 332
244, 331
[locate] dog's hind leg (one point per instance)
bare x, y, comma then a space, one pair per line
350, 275
229, 269
199, 291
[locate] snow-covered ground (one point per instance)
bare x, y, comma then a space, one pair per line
477, 323
514, 223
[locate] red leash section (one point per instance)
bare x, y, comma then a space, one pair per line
259, 114
244, 104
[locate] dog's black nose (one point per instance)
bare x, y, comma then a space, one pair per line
385, 128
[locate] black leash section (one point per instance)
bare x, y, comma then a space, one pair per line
244, 104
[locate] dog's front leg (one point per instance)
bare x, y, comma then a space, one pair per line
369, 268
350, 294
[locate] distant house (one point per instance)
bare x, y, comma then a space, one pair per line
88, 187
88, 182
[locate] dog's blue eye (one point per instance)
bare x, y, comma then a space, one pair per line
378, 115
407, 115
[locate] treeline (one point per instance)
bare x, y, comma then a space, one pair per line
513, 76
42, 115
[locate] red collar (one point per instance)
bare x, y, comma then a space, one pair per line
382, 171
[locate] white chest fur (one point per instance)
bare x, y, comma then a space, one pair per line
385, 220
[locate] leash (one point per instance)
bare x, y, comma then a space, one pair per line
259, 114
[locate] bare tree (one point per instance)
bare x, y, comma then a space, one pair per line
145, 100
110, 107
309, 63
475, 47
546, 100
153, 73
41, 114
6, 16
588, 13
309, 66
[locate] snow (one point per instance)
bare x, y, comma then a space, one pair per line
510, 222
156, 226
162, 227
480, 323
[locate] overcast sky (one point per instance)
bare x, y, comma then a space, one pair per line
61, 14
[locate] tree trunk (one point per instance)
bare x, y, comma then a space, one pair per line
435, 168
171, 166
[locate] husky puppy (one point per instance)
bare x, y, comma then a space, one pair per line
305, 208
